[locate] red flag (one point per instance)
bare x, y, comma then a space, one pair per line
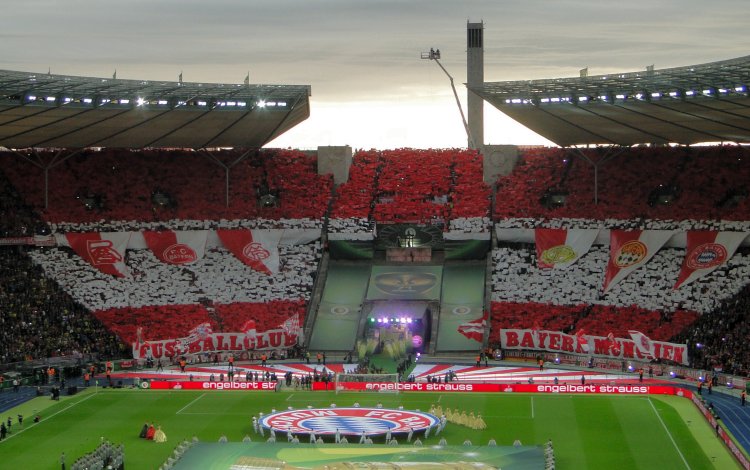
181, 247
614, 346
104, 251
559, 248
706, 251
258, 249
643, 343
629, 250
474, 329
581, 339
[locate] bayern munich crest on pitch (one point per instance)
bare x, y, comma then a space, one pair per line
348, 421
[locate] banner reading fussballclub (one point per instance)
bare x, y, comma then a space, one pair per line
258, 249
705, 251
103, 250
181, 247
631, 249
559, 248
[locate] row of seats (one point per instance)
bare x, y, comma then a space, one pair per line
408, 185
175, 321
597, 320
161, 185
699, 183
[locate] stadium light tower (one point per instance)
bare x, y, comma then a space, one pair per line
434, 54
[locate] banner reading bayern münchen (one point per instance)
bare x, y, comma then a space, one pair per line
631, 249
599, 346
560, 248
177, 247
705, 251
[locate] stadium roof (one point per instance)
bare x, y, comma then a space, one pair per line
44, 110
684, 105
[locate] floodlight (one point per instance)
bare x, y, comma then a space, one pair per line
583, 98
31, 98
722, 90
140, 101
656, 94
124, 101
739, 89
202, 103
162, 102
620, 97
87, 100
690, 92
673, 94
261, 104
50, 98
707, 92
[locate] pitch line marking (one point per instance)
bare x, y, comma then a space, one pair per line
289, 397
186, 406
50, 417
532, 407
440, 398
669, 434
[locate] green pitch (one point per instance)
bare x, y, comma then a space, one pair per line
588, 432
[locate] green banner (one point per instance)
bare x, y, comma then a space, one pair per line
405, 283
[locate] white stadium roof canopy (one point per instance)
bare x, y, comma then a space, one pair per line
684, 105
45, 110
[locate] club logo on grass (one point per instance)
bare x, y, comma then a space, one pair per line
349, 421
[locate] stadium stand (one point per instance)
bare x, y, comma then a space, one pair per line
39, 320
121, 189
686, 188
439, 187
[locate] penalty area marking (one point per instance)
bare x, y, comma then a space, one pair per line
186, 406
669, 434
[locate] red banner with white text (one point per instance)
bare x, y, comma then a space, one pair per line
216, 342
631, 249
622, 389
202, 385
598, 346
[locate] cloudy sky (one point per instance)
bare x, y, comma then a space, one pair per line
361, 57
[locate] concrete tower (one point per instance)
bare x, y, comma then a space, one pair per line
475, 76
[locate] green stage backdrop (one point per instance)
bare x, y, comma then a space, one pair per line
339, 310
463, 301
405, 283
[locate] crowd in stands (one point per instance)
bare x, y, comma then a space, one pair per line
175, 321
720, 339
161, 186
413, 186
596, 320
219, 277
39, 320
640, 185
516, 278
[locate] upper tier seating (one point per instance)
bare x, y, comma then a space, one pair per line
416, 186
168, 186
702, 180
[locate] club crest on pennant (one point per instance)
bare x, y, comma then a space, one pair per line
102, 252
706, 256
631, 253
179, 253
254, 251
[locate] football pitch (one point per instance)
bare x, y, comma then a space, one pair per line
588, 432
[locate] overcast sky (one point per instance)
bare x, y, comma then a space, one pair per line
361, 57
